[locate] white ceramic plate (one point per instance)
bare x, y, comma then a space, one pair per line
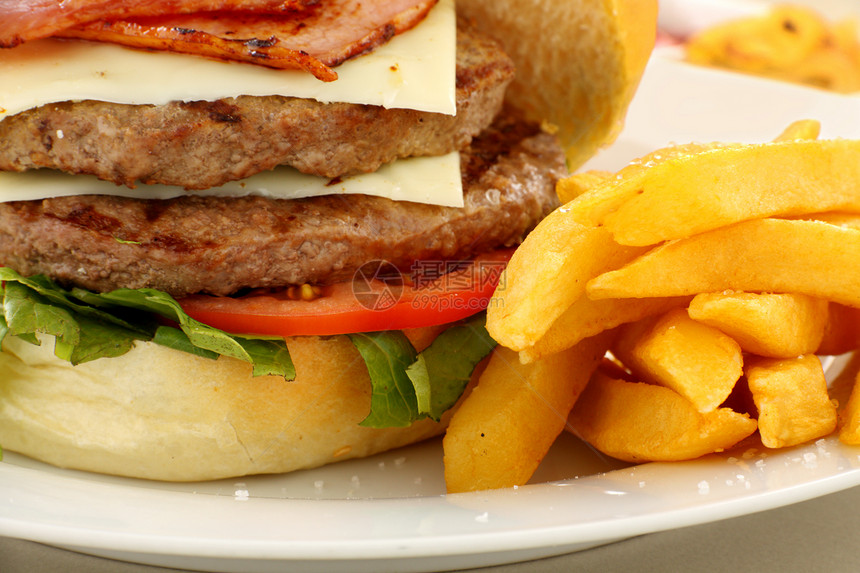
389, 513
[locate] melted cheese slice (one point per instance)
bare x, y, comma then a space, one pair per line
433, 180
415, 70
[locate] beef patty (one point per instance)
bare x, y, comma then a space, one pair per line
220, 245
199, 145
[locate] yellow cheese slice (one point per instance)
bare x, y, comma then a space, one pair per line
432, 180
415, 70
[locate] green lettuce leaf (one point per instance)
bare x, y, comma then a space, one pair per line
387, 356
4, 327
443, 369
52, 294
409, 386
269, 355
79, 337
90, 325
178, 340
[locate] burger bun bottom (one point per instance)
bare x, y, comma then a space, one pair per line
162, 414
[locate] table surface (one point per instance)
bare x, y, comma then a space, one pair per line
816, 535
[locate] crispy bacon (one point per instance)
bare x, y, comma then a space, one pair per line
311, 35
22, 20
315, 40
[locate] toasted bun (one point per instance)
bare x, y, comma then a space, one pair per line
578, 62
163, 414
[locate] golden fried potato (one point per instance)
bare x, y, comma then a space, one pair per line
547, 273
792, 400
504, 428
705, 256
842, 332
840, 386
840, 219
800, 129
849, 416
763, 255
771, 325
586, 317
572, 187
595, 203
695, 360
696, 193
640, 422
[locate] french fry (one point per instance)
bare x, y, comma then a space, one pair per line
771, 325
572, 187
695, 360
792, 400
595, 203
841, 390
800, 129
840, 219
763, 255
849, 415
840, 386
586, 317
605, 192
547, 273
504, 428
694, 260
639, 422
696, 193
842, 332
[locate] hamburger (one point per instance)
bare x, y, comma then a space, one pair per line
174, 310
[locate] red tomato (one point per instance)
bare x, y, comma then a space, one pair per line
431, 296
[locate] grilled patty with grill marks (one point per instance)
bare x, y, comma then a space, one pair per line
221, 245
198, 145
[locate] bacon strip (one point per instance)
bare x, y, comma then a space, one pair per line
314, 40
22, 20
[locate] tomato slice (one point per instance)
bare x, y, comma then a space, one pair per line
374, 300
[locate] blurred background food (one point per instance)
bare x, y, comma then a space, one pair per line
811, 43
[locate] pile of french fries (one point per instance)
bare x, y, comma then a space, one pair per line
673, 310
790, 43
